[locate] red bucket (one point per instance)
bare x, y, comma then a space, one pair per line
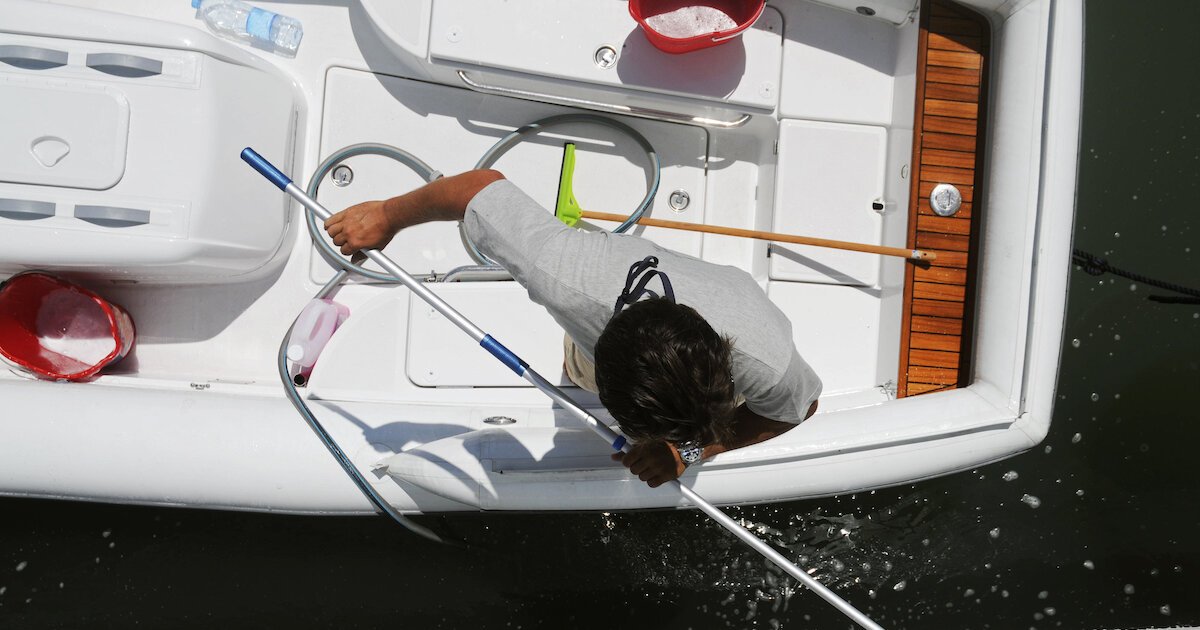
59, 330
679, 26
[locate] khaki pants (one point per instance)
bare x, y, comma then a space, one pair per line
579, 369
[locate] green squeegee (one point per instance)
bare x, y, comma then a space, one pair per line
566, 208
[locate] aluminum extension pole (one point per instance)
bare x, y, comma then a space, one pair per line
522, 369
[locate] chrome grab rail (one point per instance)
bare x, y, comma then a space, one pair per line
640, 112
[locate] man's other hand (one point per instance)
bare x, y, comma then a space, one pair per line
655, 463
362, 226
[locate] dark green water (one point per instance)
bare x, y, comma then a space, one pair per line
1112, 544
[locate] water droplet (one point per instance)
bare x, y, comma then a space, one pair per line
969, 592
900, 585
1031, 501
1129, 589
106, 533
1116, 235
1043, 594
1116, 337
1076, 438
1011, 475
1004, 593
1095, 397
995, 533
1089, 565
1050, 611
1165, 609
1048, 449
21, 565
1075, 343
1133, 287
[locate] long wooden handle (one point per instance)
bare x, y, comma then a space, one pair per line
914, 254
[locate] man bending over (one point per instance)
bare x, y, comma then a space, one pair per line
704, 364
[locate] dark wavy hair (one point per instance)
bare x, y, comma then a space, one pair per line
665, 374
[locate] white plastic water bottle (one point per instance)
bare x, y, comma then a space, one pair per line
234, 19
315, 325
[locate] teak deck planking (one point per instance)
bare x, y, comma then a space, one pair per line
952, 55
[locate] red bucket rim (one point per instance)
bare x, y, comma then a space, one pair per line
677, 45
110, 312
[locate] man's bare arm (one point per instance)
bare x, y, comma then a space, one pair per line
372, 224
749, 428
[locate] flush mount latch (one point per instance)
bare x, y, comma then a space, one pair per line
945, 200
342, 176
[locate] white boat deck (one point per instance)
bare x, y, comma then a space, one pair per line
829, 100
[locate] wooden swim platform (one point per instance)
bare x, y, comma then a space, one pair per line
952, 69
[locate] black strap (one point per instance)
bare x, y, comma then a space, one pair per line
631, 293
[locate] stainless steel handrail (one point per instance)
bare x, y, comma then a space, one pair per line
640, 112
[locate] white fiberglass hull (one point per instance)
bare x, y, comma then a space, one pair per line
199, 418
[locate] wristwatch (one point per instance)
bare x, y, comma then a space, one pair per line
690, 452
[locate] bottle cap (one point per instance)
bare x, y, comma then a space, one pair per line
195, 4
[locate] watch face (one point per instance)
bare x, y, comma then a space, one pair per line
690, 452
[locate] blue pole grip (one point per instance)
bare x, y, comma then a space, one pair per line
265, 168
505, 355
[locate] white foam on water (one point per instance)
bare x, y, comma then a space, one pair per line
687, 22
